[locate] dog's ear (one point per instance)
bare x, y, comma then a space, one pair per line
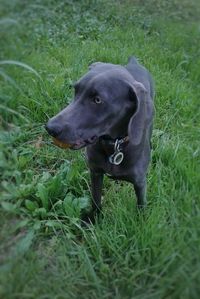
138, 121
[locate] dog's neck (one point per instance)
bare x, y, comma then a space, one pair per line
114, 148
111, 141
114, 145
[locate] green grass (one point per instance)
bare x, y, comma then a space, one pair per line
44, 251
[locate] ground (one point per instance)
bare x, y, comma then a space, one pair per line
44, 251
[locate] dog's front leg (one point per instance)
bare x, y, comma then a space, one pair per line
96, 190
140, 191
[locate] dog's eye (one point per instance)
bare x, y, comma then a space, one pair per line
97, 100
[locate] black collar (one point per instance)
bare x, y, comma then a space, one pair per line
107, 140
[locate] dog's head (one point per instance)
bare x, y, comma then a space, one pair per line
107, 101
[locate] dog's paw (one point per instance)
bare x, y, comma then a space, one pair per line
141, 207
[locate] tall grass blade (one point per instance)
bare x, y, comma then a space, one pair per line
14, 112
9, 79
7, 21
21, 64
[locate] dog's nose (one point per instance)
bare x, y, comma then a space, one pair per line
53, 129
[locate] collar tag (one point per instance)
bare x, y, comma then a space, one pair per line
116, 158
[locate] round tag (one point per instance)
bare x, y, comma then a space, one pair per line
117, 158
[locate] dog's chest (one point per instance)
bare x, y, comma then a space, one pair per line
113, 170
120, 171
100, 161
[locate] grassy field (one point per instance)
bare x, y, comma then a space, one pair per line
44, 251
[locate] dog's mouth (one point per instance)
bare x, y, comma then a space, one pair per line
77, 145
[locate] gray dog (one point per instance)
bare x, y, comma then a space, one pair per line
111, 115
